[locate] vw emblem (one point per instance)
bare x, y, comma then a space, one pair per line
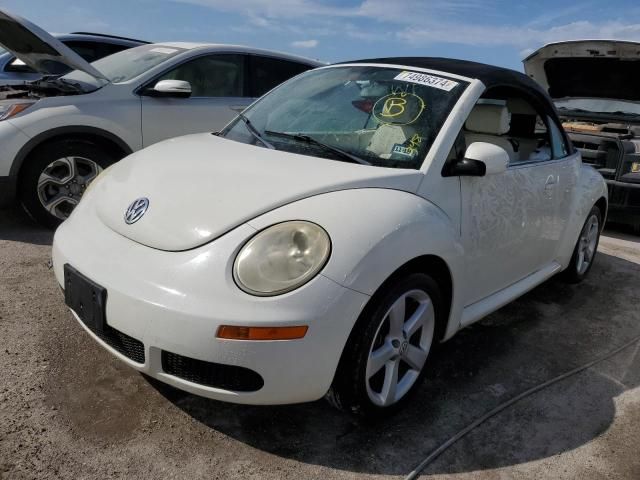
136, 210
404, 347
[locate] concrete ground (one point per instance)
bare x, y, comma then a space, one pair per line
68, 409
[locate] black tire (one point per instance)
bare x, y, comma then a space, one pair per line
40, 159
349, 389
572, 273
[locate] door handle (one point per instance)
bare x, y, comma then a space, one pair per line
238, 108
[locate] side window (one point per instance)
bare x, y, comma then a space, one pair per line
541, 151
559, 146
212, 75
17, 65
111, 48
90, 51
268, 73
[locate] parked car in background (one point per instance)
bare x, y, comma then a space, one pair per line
90, 46
324, 241
594, 86
58, 133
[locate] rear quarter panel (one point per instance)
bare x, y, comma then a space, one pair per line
590, 188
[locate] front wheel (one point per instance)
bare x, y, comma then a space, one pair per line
585, 250
55, 177
385, 357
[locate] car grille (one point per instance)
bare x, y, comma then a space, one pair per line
217, 375
601, 152
121, 342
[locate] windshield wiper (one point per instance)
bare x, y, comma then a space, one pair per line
579, 110
254, 132
593, 112
306, 138
620, 112
50, 83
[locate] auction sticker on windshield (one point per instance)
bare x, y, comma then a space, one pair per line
428, 80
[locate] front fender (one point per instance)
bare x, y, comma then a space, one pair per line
374, 232
590, 188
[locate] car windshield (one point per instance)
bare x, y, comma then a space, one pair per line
381, 116
128, 64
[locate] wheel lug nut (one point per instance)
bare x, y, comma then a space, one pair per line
395, 343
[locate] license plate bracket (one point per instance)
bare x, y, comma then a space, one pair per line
86, 298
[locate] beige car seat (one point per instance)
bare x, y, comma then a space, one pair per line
489, 123
386, 136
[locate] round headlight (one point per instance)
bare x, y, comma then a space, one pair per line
282, 258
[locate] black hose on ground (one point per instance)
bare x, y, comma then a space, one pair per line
438, 451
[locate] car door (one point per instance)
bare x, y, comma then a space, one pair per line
510, 220
567, 170
219, 91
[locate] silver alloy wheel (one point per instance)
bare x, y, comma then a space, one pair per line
63, 182
587, 244
400, 348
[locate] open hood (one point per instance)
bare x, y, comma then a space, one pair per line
202, 186
587, 69
39, 50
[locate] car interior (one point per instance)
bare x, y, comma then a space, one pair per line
211, 76
512, 123
386, 136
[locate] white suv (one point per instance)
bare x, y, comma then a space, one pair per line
58, 133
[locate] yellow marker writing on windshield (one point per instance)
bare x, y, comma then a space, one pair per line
398, 109
393, 107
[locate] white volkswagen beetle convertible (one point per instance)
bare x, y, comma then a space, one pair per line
325, 240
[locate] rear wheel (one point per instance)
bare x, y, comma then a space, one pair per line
585, 250
56, 176
385, 357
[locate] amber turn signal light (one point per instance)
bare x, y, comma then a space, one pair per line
228, 332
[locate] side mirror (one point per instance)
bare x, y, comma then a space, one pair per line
170, 89
480, 159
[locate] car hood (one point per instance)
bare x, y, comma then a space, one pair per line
587, 69
38, 49
202, 186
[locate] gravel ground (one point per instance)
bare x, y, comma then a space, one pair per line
68, 409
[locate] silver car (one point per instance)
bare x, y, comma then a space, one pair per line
59, 132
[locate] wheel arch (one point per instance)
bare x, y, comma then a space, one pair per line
590, 191
437, 268
434, 266
92, 134
602, 204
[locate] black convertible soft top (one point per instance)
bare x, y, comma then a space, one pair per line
490, 75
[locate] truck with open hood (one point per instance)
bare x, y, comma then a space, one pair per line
594, 87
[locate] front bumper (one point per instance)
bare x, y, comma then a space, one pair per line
12, 140
174, 302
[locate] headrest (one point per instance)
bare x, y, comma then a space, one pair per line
489, 119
